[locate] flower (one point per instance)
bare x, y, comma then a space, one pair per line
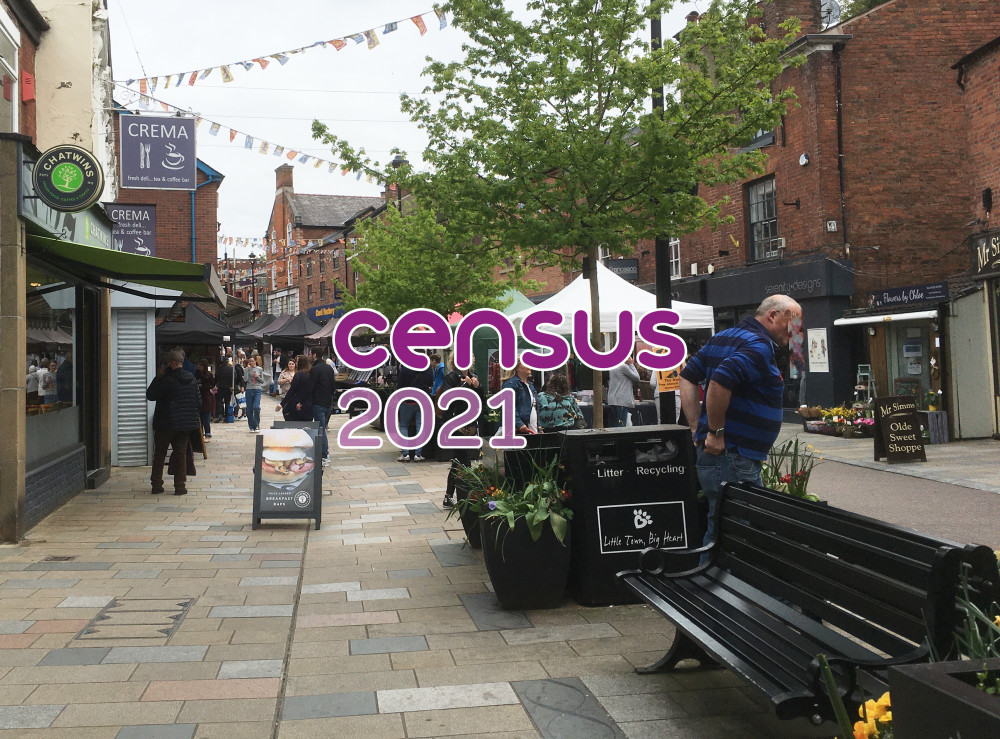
492, 505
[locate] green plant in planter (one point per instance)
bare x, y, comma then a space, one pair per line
788, 468
978, 636
541, 500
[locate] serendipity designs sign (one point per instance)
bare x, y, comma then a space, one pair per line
158, 153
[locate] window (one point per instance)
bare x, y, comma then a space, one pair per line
309, 293
322, 288
604, 254
288, 270
288, 234
309, 267
675, 257
763, 219
9, 42
336, 260
322, 263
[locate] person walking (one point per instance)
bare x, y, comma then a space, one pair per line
31, 383
285, 378
256, 380
322, 382
175, 418
297, 403
278, 364
525, 399
409, 411
621, 398
741, 415
206, 388
48, 386
467, 379
224, 384
239, 385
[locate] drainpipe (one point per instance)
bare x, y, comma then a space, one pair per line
837, 52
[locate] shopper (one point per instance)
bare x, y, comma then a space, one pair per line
175, 418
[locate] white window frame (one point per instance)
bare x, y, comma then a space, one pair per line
288, 270
11, 67
675, 257
604, 254
288, 235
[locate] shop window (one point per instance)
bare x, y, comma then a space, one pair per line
675, 257
763, 219
9, 36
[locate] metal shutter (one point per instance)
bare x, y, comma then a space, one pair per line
130, 411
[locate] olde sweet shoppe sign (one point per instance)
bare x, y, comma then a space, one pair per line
986, 255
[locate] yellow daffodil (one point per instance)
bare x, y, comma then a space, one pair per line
873, 710
884, 700
997, 621
886, 718
860, 731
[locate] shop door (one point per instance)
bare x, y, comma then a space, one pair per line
909, 359
129, 373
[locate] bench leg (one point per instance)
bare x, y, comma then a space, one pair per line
683, 648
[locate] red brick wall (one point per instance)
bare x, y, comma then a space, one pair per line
173, 216
982, 104
26, 65
906, 183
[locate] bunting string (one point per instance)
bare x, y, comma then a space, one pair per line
130, 98
149, 85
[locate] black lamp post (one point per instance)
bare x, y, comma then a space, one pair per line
398, 161
253, 280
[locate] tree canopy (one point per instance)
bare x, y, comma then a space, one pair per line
542, 139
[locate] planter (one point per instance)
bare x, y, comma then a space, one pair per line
526, 574
849, 432
940, 699
470, 520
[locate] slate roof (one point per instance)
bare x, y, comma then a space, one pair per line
331, 211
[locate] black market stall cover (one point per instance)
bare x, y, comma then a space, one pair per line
198, 328
258, 323
296, 329
274, 324
326, 332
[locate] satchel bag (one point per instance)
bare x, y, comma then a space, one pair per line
241, 400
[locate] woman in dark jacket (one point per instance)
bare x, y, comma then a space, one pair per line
206, 386
525, 400
297, 404
458, 457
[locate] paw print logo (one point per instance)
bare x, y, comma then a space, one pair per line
641, 519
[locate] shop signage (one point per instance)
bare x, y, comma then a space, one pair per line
324, 312
287, 483
898, 436
68, 178
632, 527
936, 292
158, 153
135, 228
627, 269
986, 256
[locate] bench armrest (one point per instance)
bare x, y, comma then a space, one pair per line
850, 664
653, 561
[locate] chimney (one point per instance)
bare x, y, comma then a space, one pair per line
283, 177
692, 17
807, 11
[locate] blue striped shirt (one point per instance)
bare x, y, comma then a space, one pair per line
741, 359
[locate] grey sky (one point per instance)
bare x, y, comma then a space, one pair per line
354, 90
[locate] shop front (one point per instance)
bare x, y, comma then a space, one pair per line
976, 369
57, 269
819, 365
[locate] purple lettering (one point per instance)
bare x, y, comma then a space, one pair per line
425, 419
674, 344
558, 347
602, 360
404, 338
351, 321
345, 437
446, 438
485, 318
506, 436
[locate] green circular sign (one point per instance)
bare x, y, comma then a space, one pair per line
68, 178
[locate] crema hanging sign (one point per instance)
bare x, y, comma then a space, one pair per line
68, 178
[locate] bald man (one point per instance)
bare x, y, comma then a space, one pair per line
741, 416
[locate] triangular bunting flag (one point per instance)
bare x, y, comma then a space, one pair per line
333, 165
166, 82
194, 76
232, 134
180, 79
358, 178
442, 17
262, 62
206, 73
343, 172
152, 84
227, 76
292, 154
372, 38
197, 121
304, 158
390, 27
246, 65
142, 86
214, 129
318, 163
164, 106
338, 44
357, 38
282, 59
418, 21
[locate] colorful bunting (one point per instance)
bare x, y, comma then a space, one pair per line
227, 76
279, 150
442, 17
338, 44
232, 135
372, 39
418, 21
248, 144
357, 38
194, 76
282, 59
262, 62
214, 129
263, 147
206, 73
390, 27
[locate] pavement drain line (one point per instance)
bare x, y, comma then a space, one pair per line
280, 703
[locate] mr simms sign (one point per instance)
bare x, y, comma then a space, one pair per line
158, 153
986, 255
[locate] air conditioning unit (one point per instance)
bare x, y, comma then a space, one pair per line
694, 268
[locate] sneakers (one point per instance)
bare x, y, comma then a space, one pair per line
326, 462
418, 458
449, 502
404, 457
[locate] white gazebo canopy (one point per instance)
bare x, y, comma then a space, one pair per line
616, 295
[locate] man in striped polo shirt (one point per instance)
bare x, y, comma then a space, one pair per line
741, 415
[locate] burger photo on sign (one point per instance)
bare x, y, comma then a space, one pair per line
286, 458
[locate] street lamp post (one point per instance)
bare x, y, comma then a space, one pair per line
253, 280
398, 161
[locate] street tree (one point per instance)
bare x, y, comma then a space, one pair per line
417, 261
542, 139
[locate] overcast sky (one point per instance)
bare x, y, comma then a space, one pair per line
355, 91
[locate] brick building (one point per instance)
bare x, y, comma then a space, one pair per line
865, 194
308, 237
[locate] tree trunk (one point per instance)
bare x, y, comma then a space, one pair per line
596, 339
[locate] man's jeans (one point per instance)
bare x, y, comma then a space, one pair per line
617, 416
253, 409
713, 470
407, 412
320, 414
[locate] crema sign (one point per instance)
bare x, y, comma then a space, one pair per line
68, 178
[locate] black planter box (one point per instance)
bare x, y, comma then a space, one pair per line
940, 700
631, 488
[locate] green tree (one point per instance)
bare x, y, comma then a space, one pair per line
416, 261
851, 8
542, 138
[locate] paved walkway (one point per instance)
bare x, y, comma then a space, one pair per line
127, 615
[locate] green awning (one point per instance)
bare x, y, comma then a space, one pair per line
96, 266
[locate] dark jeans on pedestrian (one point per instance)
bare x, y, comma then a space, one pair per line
206, 423
410, 412
320, 415
713, 471
253, 409
178, 442
617, 415
223, 399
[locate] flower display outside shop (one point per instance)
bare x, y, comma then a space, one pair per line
848, 420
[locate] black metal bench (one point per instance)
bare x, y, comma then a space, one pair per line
788, 580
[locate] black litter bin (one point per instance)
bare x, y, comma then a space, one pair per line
631, 488
540, 448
